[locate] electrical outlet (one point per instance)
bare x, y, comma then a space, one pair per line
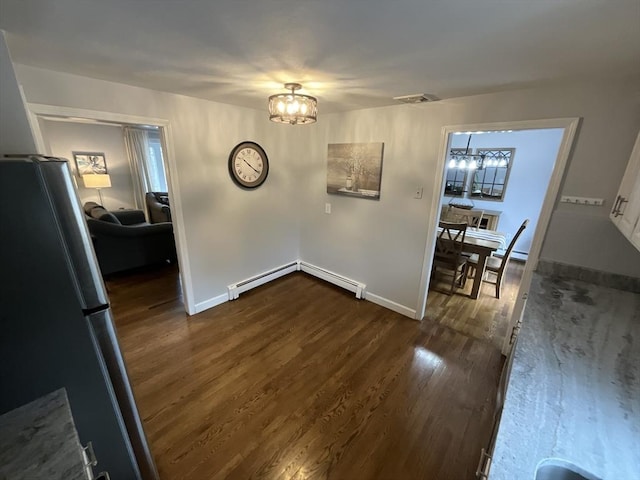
417, 193
582, 200
327, 208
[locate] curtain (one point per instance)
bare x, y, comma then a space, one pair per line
137, 142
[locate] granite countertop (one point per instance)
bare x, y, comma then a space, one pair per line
574, 389
39, 441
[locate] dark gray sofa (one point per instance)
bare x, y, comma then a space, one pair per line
123, 240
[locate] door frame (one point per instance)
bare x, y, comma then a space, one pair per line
570, 126
36, 111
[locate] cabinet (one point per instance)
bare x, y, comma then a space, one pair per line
40, 440
486, 454
626, 209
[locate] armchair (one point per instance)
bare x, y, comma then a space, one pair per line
158, 207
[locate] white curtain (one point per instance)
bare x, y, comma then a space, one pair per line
137, 142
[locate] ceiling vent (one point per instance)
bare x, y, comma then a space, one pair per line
417, 98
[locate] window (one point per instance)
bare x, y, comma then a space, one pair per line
490, 181
456, 180
155, 164
482, 173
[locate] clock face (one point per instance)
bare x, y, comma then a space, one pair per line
248, 165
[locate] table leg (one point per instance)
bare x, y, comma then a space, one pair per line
479, 275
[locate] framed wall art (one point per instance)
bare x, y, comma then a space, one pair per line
355, 169
90, 162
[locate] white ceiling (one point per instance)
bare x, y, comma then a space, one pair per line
350, 54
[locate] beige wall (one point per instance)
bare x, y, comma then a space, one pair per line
233, 234
15, 133
63, 138
382, 243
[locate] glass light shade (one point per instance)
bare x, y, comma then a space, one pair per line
293, 108
96, 180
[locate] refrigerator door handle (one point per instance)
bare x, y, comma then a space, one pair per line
73, 228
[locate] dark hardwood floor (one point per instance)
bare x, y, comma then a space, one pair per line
299, 380
486, 318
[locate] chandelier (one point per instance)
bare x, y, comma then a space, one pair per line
469, 161
293, 108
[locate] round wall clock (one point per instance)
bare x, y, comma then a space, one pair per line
248, 165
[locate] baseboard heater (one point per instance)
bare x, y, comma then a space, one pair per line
335, 278
236, 289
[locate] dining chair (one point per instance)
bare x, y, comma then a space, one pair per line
472, 217
448, 253
496, 265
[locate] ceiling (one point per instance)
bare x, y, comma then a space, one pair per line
351, 54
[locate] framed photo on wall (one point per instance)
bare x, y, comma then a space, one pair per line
355, 169
90, 162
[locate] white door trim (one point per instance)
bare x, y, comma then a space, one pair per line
570, 126
35, 110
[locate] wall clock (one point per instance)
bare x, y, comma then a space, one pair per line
248, 165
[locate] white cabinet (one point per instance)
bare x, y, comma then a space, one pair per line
626, 209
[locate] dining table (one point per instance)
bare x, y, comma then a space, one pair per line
483, 243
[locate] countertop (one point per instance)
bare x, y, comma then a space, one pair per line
574, 388
39, 441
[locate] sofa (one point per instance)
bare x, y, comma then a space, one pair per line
123, 240
158, 207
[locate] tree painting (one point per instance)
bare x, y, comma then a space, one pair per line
355, 169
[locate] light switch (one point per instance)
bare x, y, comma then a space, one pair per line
417, 193
327, 208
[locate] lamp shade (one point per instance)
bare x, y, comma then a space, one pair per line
96, 180
293, 108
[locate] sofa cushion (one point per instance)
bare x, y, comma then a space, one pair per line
102, 214
90, 206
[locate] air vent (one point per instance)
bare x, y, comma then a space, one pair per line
417, 98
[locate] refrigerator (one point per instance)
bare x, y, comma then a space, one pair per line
56, 326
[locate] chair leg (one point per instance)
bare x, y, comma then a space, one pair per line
498, 284
463, 276
453, 281
471, 271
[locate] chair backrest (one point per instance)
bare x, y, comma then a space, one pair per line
450, 240
507, 253
472, 217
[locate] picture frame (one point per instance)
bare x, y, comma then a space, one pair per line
355, 169
90, 163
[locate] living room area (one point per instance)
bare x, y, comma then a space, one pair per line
120, 179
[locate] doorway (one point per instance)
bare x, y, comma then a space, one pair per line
471, 189
37, 113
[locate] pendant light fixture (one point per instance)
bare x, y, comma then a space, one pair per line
293, 108
466, 160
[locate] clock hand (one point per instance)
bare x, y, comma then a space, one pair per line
250, 166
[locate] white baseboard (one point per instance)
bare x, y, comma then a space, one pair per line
234, 290
328, 276
212, 302
391, 305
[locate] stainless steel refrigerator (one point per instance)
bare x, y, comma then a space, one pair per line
56, 328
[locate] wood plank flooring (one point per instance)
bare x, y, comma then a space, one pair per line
486, 318
299, 380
